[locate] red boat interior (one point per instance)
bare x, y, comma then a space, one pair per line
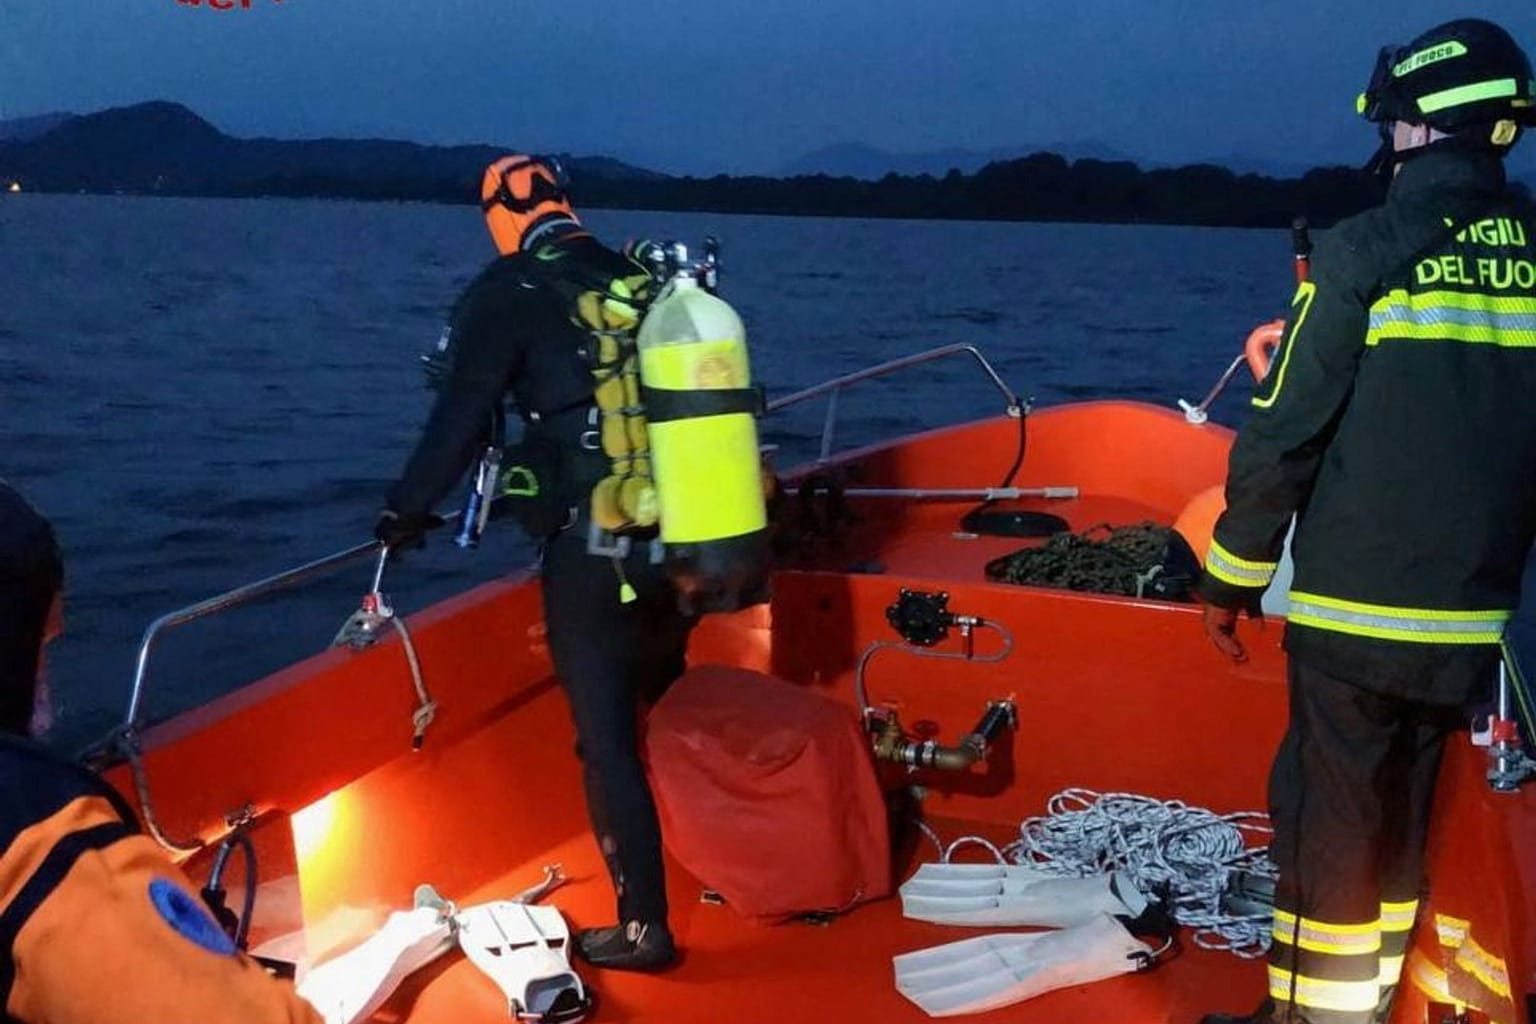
1112, 694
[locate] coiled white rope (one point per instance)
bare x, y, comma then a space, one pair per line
1164, 846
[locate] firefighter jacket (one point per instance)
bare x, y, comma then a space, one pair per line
97, 926
1397, 424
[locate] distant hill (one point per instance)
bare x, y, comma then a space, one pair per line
165, 148
870, 163
31, 127
1245, 163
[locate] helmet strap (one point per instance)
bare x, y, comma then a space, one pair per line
1383, 163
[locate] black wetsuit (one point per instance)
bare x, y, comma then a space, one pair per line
512, 336
1397, 426
30, 575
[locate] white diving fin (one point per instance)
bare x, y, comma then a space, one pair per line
352, 986
992, 895
525, 950
990, 971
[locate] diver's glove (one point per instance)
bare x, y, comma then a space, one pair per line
398, 532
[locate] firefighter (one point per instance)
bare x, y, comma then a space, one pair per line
1396, 426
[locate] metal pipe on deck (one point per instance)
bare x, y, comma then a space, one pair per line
961, 493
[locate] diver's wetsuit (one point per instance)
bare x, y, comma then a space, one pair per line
30, 575
512, 333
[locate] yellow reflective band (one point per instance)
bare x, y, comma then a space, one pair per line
1385, 622
1429, 979
1343, 996
1507, 321
1321, 937
1239, 572
1488, 969
1390, 971
1305, 293
1467, 301
1497, 88
1452, 930
1398, 917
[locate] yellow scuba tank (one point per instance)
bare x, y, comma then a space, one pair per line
700, 408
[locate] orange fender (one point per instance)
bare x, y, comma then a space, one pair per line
1198, 520
1260, 347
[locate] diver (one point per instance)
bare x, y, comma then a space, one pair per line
541, 325
1396, 425
97, 925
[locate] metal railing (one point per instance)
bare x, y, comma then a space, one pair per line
124, 739
250, 592
834, 388
241, 595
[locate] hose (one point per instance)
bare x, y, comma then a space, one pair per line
861, 690
128, 744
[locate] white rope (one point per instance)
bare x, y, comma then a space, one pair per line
426, 707
1164, 846
933, 837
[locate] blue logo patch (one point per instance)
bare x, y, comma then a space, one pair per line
188, 918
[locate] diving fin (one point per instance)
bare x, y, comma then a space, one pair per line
990, 971
1016, 894
352, 986
525, 950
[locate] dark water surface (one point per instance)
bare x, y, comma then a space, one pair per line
200, 393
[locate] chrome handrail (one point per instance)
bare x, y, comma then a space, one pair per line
245, 594
834, 387
229, 599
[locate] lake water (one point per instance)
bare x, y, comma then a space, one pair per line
200, 393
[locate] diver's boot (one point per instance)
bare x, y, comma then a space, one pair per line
631, 946
1267, 1013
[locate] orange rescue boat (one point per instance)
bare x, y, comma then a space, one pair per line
318, 766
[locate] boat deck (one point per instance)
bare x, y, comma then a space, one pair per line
735, 970
1111, 694
480, 817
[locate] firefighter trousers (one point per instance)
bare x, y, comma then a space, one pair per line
1350, 795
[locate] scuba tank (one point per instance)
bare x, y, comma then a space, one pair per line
673, 413
700, 408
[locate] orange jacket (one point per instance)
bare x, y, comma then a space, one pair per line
98, 926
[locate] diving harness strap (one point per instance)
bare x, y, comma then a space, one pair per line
623, 505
